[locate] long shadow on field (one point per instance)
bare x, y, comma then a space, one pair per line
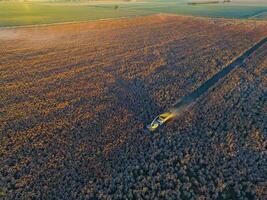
137, 99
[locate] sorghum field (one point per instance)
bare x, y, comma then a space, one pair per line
74, 100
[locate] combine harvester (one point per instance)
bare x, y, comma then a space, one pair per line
159, 120
191, 98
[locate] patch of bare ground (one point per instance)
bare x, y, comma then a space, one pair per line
74, 99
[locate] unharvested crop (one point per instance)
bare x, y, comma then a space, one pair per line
74, 99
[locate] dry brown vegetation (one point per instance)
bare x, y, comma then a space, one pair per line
74, 99
227, 133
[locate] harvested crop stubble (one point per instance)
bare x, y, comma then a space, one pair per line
74, 97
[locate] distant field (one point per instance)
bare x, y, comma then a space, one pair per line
262, 15
227, 11
19, 14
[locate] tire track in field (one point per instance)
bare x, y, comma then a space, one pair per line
192, 97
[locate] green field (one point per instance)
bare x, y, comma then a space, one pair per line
262, 15
19, 14
226, 11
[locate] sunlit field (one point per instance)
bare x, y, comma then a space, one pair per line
74, 100
18, 14
125, 99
